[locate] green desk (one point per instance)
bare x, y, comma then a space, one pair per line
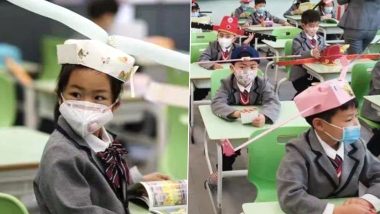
374, 100
278, 48
274, 207
294, 19
218, 129
325, 72
136, 209
265, 30
329, 28
21, 149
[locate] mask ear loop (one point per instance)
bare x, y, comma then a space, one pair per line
131, 82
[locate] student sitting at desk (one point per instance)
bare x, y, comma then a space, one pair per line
261, 15
329, 160
326, 9
195, 10
221, 49
243, 87
244, 11
83, 168
294, 9
372, 114
307, 44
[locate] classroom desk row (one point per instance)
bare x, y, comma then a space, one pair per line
218, 129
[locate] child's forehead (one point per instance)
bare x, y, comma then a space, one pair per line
311, 24
260, 4
246, 63
224, 33
89, 78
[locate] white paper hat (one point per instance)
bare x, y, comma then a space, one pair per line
99, 56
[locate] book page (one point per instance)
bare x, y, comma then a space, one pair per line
166, 193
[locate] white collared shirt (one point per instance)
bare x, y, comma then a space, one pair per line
242, 88
310, 38
99, 145
331, 153
228, 49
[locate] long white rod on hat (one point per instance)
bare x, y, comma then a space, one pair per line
248, 59
91, 30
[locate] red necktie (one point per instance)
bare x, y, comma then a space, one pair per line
225, 55
244, 98
116, 167
338, 164
313, 42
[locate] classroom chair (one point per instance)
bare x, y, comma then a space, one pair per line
218, 75
50, 66
286, 33
173, 161
203, 37
7, 100
287, 51
264, 157
11, 205
197, 50
360, 82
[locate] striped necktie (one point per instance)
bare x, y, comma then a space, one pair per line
338, 164
116, 167
244, 98
313, 42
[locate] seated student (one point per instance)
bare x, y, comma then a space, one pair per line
244, 11
195, 9
221, 49
326, 9
243, 87
307, 44
329, 160
294, 9
370, 113
261, 14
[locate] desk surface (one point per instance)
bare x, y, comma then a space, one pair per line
197, 72
374, 99
274, 207
328, 69
21, 147
218, 128
294, 17
136, 209
278, 44
328, 25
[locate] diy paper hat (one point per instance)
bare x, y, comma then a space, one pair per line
229, 24
245, 51
98, 56
324, 96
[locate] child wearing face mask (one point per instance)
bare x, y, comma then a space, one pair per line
326, 9
243, 87
307, 44
195, 9
329, 160
221, 49
244, 11
83, 168
261, 15
294, 9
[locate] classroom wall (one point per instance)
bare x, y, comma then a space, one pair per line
222, 8
25, 29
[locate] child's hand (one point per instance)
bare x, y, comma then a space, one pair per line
316, 53
353, 209
156, 176
359, 201
249, 39
245, 25
327, 16
217, 66
236, 114
286, 24
259, 121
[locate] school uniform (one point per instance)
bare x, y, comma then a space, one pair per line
302, 45
370, 113
322, 13
292, 8
360, 23
260, 92
240, 11
71, 177
257, 18
215, 52
311, 170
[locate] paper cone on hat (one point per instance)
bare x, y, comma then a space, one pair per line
230, 25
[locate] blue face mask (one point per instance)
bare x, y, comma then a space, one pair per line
328, 10
244, 6
260, 10
350, 135
195, 14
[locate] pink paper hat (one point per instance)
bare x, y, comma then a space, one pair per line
324, 96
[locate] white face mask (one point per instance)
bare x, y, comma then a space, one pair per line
246, 76
225, 43
85, 117
195, 14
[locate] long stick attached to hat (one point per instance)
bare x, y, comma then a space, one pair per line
91, 30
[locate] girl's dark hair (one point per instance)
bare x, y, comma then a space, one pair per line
63, 79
